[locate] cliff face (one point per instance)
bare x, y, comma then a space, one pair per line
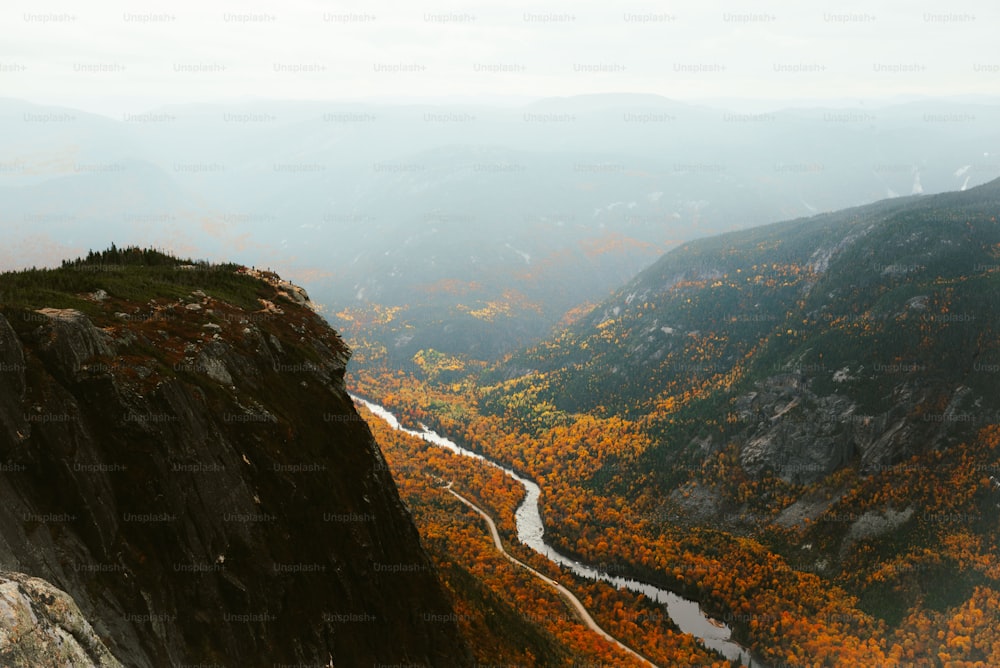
191, 471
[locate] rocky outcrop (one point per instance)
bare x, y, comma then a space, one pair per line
285, 289
68, 340
41, 625
209, 494
874, 523
794, 434
802, 437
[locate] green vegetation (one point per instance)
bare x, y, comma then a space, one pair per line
131, 274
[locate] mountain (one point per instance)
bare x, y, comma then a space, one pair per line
796, 426
860, 343
180, 457
823, 389
881, 312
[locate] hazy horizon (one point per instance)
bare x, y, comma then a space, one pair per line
721, 102
118, 59
658, 124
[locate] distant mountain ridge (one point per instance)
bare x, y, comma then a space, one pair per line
533, 209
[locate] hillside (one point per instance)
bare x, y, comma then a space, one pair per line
181, 458
840, 366
882, 317
796, 425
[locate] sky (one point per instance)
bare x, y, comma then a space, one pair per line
114, 57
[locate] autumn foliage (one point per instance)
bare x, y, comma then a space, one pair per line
785, 610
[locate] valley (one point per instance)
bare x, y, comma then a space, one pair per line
530, 532
775, 446
828, 499
562, 336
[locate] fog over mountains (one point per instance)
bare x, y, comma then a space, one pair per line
561, 199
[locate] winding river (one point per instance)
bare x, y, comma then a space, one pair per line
686, 614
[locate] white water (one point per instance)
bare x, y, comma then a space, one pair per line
531, 531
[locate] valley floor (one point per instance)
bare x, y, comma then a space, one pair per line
784, 613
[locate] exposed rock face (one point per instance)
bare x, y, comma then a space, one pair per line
799, 436
208, 495
799, 449
802, 437
875, 523
42, 626
12, 384
70, 340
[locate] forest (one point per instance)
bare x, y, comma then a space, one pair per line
794, 425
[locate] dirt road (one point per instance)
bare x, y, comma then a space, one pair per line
567, 594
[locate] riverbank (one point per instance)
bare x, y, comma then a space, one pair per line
686, 614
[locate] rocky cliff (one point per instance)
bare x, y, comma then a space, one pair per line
178, 454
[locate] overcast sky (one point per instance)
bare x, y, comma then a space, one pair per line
113, 57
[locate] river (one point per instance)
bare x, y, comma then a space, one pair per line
687, 614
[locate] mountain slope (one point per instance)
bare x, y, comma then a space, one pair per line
796, 426
867, 323
825, 387
180, 456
